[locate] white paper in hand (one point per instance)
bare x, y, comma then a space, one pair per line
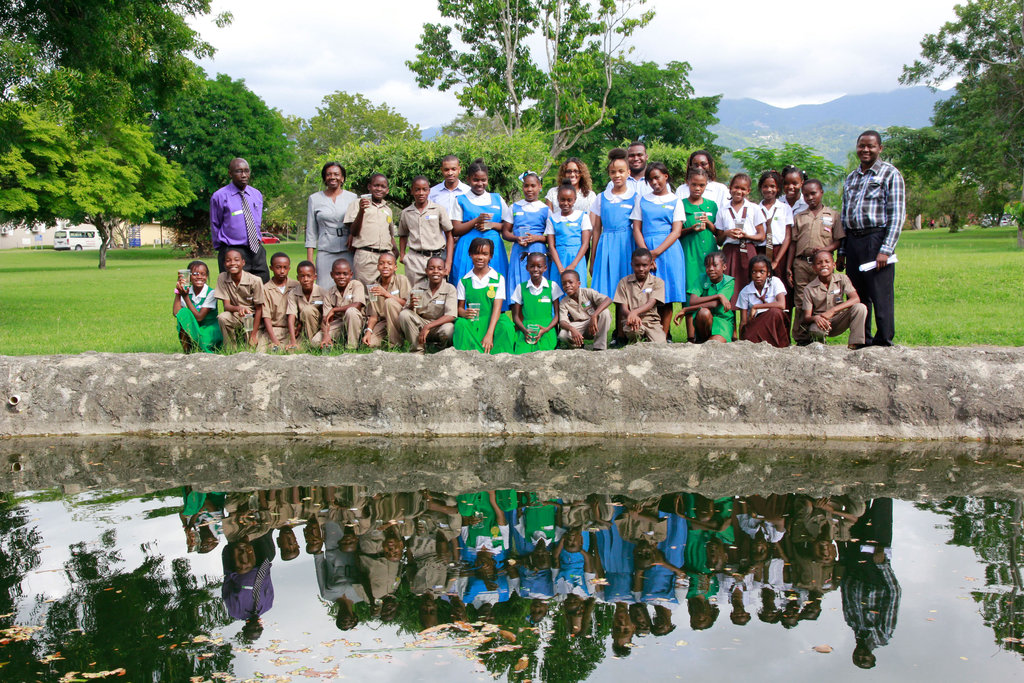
871, 265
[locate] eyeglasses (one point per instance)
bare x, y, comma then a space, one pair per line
572, 172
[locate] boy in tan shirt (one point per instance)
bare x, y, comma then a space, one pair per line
386, 298
242, 295
430, 313
813, 230
273, 334
343, 308
424, 231
583, 314
305, 310
636, 299
371, 225
824, 310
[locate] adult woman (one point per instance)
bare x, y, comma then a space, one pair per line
575, 172
325, 229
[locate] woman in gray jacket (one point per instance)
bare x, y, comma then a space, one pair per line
325, 230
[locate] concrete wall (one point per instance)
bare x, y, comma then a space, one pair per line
735, 390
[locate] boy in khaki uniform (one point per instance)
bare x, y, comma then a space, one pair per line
277, 291
583, 314
343, 308
424, 231
242, 295
305, 307
387, 296
371, 226
813, 230
824, 310
637, 298
430, 313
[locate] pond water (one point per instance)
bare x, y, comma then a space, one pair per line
337, 579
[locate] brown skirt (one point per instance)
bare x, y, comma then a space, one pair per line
769, 327
737, 263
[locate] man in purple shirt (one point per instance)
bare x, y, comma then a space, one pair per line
248, 591
236, 212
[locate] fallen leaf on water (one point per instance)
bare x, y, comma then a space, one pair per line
521, 664
964, 658
823, 649
681, 643
508, 635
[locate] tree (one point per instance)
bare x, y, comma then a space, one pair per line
494, 71
757, 160
984, 120
203, 130
34, 150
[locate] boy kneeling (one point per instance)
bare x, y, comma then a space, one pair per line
431, 310
824, 310
583, 314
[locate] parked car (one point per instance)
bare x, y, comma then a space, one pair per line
270, 238
76, 239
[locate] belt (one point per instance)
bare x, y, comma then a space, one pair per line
435, 252
862, 233
809, 259
375, 251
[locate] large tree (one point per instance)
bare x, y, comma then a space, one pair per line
983, 123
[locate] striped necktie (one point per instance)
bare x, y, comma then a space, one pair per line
251, 231
257, 588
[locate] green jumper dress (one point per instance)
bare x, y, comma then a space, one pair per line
723, 320
470, 333
206, 334
538, 309
697, 245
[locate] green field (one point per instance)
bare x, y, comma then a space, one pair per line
951, 289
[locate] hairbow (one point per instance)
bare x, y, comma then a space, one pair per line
522, 176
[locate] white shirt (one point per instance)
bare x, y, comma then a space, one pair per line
583, 201
549, 227
483, 200
556, 291
636, 184
678, 214
716, 192
440, 194
528, 207
799, 207
627, 196
727, 216
205, 298
480, 283
776, 219
749, 296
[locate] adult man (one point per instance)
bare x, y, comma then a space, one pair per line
636, 159
444, 193
236, 212
874, 208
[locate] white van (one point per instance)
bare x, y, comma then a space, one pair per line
76, 239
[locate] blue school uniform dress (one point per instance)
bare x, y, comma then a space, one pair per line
528, 218
616, 555
657, 213
660, 582
569, 232
493, 204
614, 251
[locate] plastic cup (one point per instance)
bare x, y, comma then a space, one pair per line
247, 323
534, 331
417, 299
475, 308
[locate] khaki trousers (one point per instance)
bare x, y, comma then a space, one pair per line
604, 323
412, 323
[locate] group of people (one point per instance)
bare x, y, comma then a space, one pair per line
485, 556
480, 274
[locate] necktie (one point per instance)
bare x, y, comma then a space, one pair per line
257, 587
251, 231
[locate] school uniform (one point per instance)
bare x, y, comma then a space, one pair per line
657, 213
425, 238
387, 310
638, 185
776, 219
348, 324
811, 233
570, 233
308, 313
538, 302
248, 291
433, 305
698, 244
615, 245
715, 191
797, 207
466, 208
583, 201
722, 320
578, 311
633, 294
376, 237
739, 252
441, 195
764, 324
205, 334
486, 292
275, 309
528, 219
820, 296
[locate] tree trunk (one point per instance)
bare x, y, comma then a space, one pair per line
104, 230
917, 222
1020, 225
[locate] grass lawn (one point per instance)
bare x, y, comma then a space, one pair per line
951, 289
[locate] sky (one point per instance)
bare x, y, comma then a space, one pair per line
294, 53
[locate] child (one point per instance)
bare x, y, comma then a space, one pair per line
371, 226
793, 180
657, 224
778, 220
343, 308
740, 225
276, 293
195, 309
824, 310
583, 314
762, 305
478, 214
305, 307
637, 298
387, 296
424, 231
431, 311
567, 232
526, 232
480, 325
819, 227
715, 191
242, 294
445, 192
698, 235
713, 305
612, 236
535, 309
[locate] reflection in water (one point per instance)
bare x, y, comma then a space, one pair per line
534, 588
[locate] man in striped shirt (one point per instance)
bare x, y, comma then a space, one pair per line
874, 209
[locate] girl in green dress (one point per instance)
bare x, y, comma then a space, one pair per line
480, 325
698, 236
195, 310
535, 309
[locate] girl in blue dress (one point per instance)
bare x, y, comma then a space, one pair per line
612, 237
526, 232
657, 224
478, 213
568, 235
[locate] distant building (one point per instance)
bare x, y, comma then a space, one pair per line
40, 236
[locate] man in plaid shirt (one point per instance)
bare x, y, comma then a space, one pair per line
874, 209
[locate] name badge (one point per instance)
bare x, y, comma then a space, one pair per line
430, 215
348, 296
438, 302
317, 303
237, 213
826, 220
394, 292
545, 299
647, 290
